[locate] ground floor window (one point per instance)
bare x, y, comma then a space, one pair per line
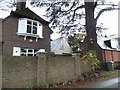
17, 51
28, 52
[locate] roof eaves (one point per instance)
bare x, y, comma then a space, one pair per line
27, 13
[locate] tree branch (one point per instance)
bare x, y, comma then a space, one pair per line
72, 6
82, 6
96, 3
103, 10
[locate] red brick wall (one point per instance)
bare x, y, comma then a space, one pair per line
115, 56
119, 56
108, 55
111, 55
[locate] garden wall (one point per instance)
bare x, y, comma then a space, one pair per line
19, 72
31, 72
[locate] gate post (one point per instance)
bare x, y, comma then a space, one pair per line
77, 66
41, 69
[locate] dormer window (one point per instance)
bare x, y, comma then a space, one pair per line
31, 28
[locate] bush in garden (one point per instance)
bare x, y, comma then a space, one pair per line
91, 57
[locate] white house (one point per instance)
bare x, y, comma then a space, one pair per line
109, 43
60, 46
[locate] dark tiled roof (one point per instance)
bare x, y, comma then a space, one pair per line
27, 13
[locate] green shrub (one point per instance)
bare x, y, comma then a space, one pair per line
90, 57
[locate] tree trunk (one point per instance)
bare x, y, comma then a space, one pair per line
90, 26
91, 39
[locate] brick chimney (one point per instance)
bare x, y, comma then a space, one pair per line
21, 5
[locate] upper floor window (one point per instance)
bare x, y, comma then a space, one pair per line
31, 27
28, 27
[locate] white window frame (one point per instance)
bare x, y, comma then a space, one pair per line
22, 28
32, 26
16, 51
27, 53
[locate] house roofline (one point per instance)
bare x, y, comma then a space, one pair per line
22, 14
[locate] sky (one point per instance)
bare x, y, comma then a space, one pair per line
109, 20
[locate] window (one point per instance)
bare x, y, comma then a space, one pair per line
28, 52
28, 27
17, 51
31, 27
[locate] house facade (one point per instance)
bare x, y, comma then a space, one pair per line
110, 49
24, 33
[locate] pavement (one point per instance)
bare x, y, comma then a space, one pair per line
112, 83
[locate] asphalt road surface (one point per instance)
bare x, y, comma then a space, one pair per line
112, 83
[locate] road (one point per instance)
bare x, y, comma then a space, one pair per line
112, 83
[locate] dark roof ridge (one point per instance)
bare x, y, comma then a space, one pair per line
27, 13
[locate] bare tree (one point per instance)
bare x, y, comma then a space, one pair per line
68, 15
7, 5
